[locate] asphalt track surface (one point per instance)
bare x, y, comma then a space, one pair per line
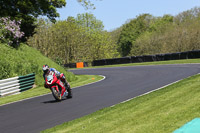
120, 84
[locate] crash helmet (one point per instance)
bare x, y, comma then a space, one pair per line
45, 68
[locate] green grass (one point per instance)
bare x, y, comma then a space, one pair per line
26, 60
81, 80
162, 111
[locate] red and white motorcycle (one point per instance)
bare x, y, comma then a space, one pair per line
56, 86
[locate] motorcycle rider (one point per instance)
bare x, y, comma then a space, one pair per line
60, 76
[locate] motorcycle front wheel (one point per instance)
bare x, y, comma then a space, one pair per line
56, 94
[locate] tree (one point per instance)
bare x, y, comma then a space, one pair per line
131, 31
188, 16
170, 34
89, 21
68, 42
29, 10
87, 4
160, 23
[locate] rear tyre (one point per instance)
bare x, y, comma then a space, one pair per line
56, 94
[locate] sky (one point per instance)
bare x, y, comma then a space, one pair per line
114, 13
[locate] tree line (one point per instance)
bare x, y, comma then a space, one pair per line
73, 40
149, 35
83, 38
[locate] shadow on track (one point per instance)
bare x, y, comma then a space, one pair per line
51, 101
55, 101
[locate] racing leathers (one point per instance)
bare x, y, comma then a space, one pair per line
60, 76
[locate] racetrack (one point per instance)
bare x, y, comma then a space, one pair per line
121, 84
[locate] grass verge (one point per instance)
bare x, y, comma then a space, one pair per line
162, 111
81, 80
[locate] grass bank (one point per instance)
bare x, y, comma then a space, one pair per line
26, 60
162, 111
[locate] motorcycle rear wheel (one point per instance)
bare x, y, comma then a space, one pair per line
56, 94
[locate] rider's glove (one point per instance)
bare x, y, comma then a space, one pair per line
58, 75
45, 85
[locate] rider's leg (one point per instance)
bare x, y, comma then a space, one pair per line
67, 85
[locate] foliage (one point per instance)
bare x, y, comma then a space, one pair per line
25, 60
74, 40
115, 34
10, 31
87, 4
131, 31
181, 34
28, 10
159, 24
186, 16
89, 21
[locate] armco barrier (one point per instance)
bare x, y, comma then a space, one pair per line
99, 62
175, 56
193, 54
184, 55
16, 85
136, 59
71, 65
76, 65
167, 56
149, 58
145, 58
160, 57
124, 60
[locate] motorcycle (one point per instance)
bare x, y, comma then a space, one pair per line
56, 86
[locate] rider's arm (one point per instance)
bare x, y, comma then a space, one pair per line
44, 76
56, 72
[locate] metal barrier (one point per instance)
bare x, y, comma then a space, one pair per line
149, 58
16, 85
145, 58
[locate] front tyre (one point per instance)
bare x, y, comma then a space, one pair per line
56, 94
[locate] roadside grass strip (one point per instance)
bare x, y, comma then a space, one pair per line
39, 91
161, 111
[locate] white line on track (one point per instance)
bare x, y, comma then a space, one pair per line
151, 91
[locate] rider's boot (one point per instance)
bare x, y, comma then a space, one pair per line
69, 90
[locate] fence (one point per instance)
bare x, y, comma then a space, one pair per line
16, 85
76, 65
148, 58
